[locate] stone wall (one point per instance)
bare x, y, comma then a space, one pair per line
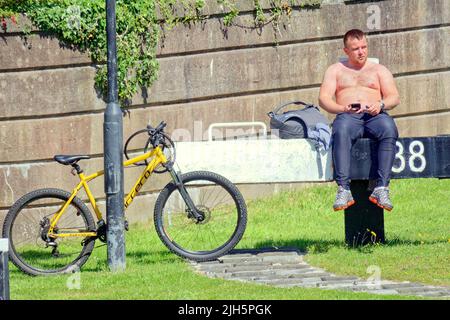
208, 73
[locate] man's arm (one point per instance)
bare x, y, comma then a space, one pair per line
328, 90
388, 88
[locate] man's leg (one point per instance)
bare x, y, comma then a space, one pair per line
346, 129
382, 127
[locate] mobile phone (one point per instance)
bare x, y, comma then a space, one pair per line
355, 106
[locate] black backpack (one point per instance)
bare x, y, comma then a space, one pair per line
295, 124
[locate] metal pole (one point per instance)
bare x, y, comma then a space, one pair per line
4, 271
113, 145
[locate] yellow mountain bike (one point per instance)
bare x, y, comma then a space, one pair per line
199, 215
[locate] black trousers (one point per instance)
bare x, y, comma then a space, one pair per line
347, 128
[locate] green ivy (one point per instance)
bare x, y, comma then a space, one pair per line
82, 23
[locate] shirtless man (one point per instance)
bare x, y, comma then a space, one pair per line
371, 89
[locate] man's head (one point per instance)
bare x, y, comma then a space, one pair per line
355, 47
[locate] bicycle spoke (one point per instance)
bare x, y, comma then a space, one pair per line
35, 250
193, 235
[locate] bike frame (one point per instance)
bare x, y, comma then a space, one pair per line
158, 158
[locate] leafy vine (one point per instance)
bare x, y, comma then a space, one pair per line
82, 24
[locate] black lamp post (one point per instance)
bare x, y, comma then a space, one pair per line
113, 145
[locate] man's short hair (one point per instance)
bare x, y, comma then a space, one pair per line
354, 33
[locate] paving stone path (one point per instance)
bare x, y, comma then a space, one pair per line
286, 268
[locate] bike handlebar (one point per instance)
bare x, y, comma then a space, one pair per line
157, 137
159, 128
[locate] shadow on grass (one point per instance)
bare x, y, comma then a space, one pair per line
144, 257
153, 257
323, 246
133, 257
303, 245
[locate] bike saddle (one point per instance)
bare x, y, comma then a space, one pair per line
69, 159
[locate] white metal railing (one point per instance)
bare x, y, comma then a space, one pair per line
237, 124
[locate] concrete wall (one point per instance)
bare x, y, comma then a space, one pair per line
209, 74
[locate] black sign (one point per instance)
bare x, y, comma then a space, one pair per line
421, 157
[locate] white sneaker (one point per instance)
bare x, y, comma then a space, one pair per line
344, 199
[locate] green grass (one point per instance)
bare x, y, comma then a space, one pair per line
417, 245
151, 273
417, 250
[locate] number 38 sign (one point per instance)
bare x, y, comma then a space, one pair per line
423, 157
427, 157
413, 158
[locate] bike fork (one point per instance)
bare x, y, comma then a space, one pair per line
185, 195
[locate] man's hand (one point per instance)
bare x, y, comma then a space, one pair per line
373, 109
349, 109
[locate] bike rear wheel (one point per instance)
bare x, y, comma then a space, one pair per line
26, 226
224, 210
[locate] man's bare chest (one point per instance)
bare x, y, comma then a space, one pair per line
350, 78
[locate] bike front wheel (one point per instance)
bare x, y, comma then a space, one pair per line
224, 217
27, 223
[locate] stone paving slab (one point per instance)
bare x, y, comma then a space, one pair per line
285, 267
